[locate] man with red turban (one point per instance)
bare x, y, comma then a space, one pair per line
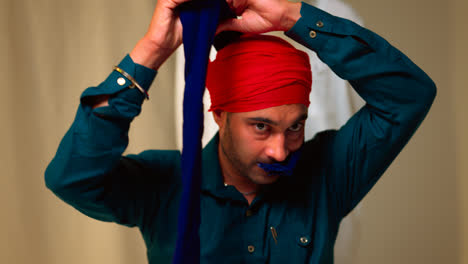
266, 195
259, 88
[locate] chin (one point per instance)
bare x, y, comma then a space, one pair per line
262, 177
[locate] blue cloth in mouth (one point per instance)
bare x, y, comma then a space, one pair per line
282, 168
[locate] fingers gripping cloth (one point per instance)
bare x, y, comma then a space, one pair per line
199, 20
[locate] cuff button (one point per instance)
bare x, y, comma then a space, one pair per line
121, 81
312, 34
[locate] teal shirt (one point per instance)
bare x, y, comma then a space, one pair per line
336, 169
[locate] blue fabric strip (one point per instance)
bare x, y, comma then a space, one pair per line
199, 19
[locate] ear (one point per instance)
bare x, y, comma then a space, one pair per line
220, 118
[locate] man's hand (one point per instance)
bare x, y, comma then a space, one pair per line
164, 35
260, 16
165, 31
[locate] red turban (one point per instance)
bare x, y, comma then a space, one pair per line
256, 72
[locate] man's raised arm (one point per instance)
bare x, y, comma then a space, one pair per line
398, 95
88, 170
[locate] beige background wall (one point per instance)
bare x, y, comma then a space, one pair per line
459, 56
50, 50
414, 213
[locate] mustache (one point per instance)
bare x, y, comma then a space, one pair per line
284, 168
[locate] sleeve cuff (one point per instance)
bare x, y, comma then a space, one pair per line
316, 27
116, 82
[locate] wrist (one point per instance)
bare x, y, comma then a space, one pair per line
148, 54
291, 15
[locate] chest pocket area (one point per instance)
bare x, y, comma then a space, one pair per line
290, 247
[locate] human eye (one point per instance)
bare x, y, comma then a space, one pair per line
296, 127
261, 127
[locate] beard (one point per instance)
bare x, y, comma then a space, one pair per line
234, 157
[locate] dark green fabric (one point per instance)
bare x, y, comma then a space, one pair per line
336, 170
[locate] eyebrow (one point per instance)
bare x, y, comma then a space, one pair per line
271, 122
263, 120
302, 117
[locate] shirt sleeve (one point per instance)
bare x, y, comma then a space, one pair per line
88, 170
398, 95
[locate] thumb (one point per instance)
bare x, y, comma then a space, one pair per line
231, 24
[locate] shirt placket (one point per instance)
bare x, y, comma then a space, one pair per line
254, 233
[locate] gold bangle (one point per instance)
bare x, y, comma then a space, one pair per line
130, 78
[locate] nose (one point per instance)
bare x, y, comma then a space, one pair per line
276, 148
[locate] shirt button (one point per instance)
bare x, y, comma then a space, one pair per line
121, 81
248, 213
312, 34
251, 249
304, 240
319, 24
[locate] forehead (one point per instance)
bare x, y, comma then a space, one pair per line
277, 114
